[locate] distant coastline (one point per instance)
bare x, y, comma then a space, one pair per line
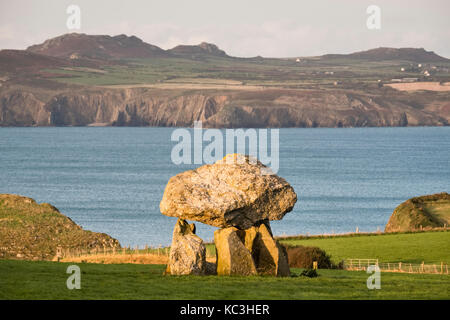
100, 80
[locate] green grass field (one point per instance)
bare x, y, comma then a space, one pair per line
270, 72
47, 280
430, 247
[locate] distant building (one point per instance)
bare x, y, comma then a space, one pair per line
405, 80
298, 60
410, 79
402, 69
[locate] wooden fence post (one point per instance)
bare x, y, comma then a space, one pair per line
58, 253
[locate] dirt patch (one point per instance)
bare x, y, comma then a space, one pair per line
415, 86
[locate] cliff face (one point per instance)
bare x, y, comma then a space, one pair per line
22, 109
264, 108
129, 108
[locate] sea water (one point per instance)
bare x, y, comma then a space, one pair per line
112, 179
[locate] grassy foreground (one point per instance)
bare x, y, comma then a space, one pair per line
47, 280
430, 247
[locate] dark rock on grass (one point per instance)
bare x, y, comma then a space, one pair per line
310, 273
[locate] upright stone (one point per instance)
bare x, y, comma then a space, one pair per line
269, 256
188, 252
233, 258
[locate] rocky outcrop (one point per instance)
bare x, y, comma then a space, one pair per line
233, 192
187, 252
33, 231
424, 212
203, 48
80, 45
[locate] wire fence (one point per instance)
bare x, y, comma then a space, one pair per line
405, 267
348, 264
63, 253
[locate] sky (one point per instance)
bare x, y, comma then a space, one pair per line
244, 28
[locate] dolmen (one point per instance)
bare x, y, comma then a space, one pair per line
239, 195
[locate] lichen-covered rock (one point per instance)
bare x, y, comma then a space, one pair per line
236, 191
188, 252
250, 251
233, 258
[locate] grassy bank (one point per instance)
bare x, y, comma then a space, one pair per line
47, 280
431, 247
